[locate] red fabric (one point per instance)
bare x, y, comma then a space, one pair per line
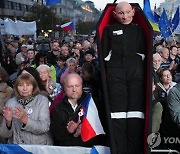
108, 19
87, 131
68, 28
57, 99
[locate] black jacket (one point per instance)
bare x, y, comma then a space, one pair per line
125, 41
63, 113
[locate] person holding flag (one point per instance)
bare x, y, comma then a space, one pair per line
70, 115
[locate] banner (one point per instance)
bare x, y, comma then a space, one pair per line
19, 27
10, 27
26, 28
47, 149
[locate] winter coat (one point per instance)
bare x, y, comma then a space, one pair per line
36, 131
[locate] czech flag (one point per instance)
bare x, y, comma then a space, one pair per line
68, 26
91, 124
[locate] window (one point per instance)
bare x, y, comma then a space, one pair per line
11, 6
20, 7
15, 5
60, 10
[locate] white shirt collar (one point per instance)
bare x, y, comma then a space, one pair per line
72, 105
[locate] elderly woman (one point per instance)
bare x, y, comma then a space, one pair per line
72, 66
26, 116
51, 87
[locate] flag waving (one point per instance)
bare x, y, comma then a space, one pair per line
148, 12
68, 26
91, 124
175, 20
164, 25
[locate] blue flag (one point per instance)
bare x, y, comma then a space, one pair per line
52, 2
156, 17
147, 10
175, 20
12, 149
164, 25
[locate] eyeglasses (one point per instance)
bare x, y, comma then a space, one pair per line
167, 75
71, 65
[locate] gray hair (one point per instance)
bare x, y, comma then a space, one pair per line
71, 60
157, 55
43, 66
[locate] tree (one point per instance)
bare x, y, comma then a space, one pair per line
85, 27
45, 17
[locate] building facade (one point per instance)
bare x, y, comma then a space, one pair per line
72, 10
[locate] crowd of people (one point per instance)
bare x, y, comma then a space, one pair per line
165, 80
34, 82
41, 91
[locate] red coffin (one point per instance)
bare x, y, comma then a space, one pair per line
107, 18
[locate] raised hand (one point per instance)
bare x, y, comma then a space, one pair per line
78, 131
20, 114
8, 115
72, 126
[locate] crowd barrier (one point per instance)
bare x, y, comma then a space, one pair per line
45, 149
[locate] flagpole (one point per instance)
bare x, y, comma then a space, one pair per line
2, 42
173, 35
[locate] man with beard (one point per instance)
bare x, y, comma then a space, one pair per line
66, 119
52, 56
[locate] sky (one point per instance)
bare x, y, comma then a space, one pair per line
100, 4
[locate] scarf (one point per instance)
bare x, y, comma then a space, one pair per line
26, 101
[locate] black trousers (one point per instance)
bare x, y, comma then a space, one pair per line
126, 89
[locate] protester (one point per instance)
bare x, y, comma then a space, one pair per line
157, 110
69, 37
51, 56
66, 119
72, 66
156, 65
51, 87
31, 56
90, 80
60, 67
32, 71
26, 116
6, 93
41, 58
22, 56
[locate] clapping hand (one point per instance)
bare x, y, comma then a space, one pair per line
20, 114
78, 131
8, 115
72, 126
